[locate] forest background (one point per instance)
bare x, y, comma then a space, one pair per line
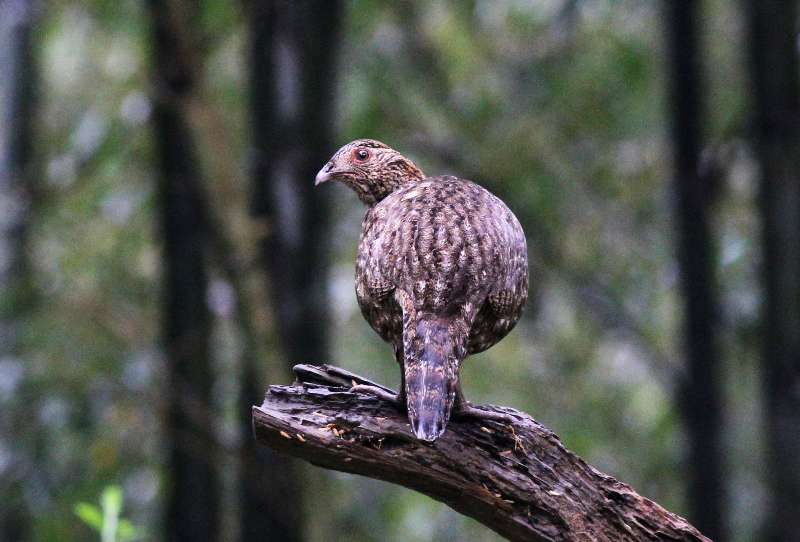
164, 256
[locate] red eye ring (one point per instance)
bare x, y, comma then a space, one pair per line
361, 155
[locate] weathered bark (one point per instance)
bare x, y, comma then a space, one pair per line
193, 489
518, 480
293, 73
17, 18
774, 73
700, 386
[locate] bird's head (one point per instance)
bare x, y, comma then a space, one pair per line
372, 169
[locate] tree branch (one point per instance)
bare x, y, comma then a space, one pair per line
518, 480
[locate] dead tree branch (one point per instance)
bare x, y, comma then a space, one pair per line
518, 480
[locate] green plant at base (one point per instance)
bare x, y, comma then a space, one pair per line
106, 518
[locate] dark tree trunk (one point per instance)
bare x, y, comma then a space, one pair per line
773, 48
700, 386
16, 141
292, 63
192, 498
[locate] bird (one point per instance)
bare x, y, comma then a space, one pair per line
441, 273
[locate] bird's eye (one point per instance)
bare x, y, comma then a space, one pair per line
361, 155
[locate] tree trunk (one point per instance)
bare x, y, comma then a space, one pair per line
701, 387
16, 142
517, 479
193, 489
292, 81
773, 49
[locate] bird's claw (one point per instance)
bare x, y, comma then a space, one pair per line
377, 392
467, 410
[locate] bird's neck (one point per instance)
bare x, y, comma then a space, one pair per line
412, 172
405, 172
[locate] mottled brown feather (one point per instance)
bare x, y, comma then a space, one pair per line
441, 272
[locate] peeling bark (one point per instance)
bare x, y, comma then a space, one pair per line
519, 480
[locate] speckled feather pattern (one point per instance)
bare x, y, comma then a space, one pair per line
440, 257
441, 272
444, 247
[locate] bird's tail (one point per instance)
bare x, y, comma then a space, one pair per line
431, 374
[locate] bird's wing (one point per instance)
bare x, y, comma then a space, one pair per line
510, 290
375, 280
500, 261
376, 275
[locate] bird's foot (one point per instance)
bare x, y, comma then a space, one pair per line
467, 410
377, 392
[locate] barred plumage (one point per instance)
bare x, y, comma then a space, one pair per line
442, 272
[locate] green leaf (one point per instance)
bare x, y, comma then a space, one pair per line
111, 500
126, 531
89, 514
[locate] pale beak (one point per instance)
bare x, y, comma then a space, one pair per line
324, 175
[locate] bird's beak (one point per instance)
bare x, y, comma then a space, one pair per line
324, 175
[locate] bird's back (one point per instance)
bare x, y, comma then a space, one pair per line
442, 246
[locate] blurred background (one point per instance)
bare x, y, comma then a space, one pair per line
163, 255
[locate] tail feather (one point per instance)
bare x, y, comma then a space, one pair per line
431, 375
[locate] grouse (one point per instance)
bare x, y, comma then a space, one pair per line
441, 273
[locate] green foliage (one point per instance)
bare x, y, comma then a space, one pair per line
106, 519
